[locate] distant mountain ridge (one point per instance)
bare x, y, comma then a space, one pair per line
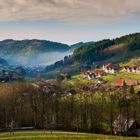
30, 47
32, 52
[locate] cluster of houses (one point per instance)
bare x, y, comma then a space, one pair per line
131, 69
109, 68
10, 74
93, 74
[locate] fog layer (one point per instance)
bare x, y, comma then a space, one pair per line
42, 59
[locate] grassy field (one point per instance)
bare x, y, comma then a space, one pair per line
112, 77
40, 135
109, 77
78, 79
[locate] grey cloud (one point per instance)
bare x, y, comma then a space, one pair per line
69, 10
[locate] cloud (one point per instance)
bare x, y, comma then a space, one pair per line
93, 11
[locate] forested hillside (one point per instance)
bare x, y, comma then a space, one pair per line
80, 44
13, 47
120, 50
106, 49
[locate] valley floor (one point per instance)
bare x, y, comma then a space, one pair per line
41, 135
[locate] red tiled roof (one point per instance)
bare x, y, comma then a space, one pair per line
128, 82
119, 82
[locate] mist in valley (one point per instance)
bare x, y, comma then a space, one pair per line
41, 59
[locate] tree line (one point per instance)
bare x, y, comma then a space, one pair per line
23, 105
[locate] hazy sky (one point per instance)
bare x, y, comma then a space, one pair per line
68, 21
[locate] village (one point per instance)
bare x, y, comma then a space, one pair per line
11, 73
108, 69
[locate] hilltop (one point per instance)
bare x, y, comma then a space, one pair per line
80, 44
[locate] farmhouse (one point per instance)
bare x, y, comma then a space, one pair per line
109, 68
123, 125
92, 75
125, 81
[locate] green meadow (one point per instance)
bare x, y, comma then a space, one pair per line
112, 77
41, 135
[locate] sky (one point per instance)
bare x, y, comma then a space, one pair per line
68, 21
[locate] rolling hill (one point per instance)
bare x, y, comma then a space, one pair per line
28, 47
117, 50
32, 51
